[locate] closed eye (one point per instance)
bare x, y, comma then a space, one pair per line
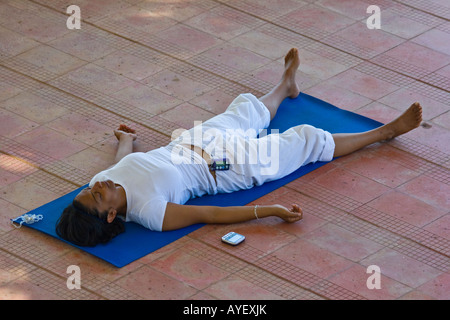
93, 195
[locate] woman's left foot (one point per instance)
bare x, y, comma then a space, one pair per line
409, 120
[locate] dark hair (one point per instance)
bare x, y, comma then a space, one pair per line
83, 228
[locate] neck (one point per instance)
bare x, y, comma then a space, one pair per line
122, 207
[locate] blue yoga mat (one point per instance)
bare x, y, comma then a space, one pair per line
138, 241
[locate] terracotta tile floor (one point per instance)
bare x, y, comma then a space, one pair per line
161, 65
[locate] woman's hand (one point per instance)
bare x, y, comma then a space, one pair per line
125, 131
126, 136
289, 215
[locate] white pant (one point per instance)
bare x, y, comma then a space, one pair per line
272, 156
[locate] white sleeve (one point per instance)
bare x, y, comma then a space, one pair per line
152, 214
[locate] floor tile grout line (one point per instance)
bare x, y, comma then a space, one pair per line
8, 67
258, 263
406, 75
271, 22
369, 60
48, 85
40, 267
38, 167
397, 144
359, 205
255, 265
245, 264
393, 242
200, 68
269, 280
93, 24
80, 98
34, 164
42, 167
50, 256
286, 28
420, 9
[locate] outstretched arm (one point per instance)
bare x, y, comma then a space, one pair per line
178, 216
126, 136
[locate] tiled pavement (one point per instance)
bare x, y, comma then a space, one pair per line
161, 65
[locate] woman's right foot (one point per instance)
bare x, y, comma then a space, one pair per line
291, 64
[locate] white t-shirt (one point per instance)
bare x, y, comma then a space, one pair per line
152, 179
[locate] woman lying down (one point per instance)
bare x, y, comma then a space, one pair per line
151, 188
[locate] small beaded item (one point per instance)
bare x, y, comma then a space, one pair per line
26, 218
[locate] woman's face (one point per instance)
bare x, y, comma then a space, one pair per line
101, 197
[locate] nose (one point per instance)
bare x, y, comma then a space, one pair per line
103, 184
97, 185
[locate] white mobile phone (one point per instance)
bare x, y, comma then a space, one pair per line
233, 238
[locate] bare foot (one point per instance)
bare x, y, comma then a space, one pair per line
409, 120
291, 64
